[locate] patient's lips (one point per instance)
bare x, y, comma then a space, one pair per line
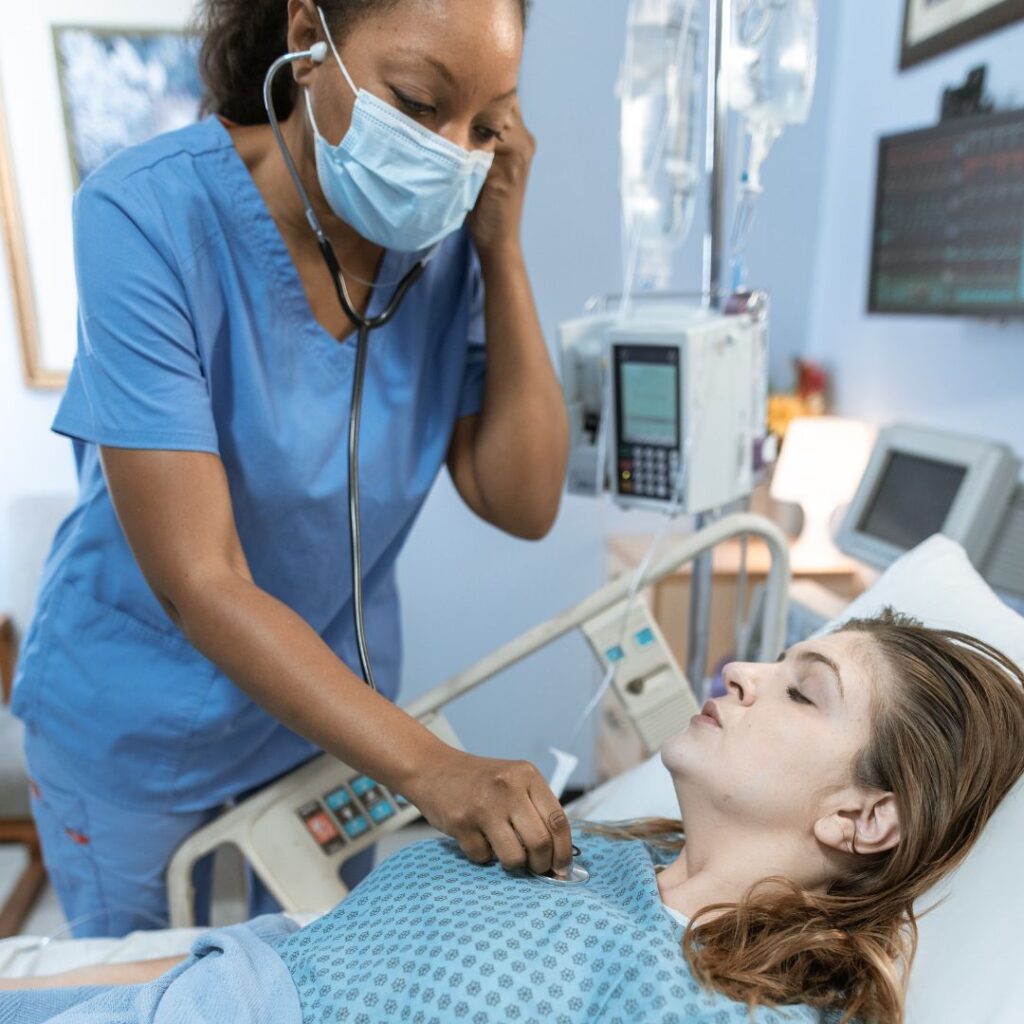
709, 715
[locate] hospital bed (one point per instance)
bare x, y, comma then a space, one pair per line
970, 951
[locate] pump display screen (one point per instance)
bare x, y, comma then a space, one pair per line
913, 499
648, 395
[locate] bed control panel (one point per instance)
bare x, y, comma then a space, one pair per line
648, 682
348, 812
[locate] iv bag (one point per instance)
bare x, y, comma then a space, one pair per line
772, 61
770, 72
659, 92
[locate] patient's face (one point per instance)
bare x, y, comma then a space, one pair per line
788, 738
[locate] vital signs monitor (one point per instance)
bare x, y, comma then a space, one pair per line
920, 482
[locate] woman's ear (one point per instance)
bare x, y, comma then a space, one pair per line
304, 32
870, 826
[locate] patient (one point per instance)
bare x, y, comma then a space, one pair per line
836, 787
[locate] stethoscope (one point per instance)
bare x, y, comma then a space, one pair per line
576, 875
318, 54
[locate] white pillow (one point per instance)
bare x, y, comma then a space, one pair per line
969, 958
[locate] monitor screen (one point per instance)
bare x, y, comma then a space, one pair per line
912, 500
949, 219
648, 398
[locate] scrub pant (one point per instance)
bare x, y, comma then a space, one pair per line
108, 863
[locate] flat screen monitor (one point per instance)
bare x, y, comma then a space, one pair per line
913, 499
949, 219
920, 482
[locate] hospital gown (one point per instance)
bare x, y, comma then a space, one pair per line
430, 938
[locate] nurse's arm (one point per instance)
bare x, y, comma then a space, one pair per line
175, 510
508, 462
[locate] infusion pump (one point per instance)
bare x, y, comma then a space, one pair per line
670, 402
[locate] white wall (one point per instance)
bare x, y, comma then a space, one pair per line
34, 464
965, 375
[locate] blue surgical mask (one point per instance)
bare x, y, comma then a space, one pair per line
395, 182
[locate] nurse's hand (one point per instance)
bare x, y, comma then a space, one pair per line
494, 809
496, 219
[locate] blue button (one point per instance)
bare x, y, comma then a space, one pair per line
338, 799
362, 785
382, 811
614, 654
644, 638
356, 827
400, 800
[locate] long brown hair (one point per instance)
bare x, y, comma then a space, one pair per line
948, 741
242, 38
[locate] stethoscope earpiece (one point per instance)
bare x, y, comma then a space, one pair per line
318, 53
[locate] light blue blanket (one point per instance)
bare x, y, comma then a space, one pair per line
232, 977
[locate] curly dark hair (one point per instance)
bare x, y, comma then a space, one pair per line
242, 38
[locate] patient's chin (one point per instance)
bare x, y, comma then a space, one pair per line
677, 755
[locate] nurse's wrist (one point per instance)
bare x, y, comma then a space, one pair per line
415, 760
501, 255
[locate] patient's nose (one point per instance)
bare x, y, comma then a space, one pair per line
739, 681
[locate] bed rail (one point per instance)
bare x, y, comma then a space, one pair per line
297, 832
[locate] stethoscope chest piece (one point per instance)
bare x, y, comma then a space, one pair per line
576, 875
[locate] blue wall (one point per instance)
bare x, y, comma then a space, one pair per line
967, 375
466, 588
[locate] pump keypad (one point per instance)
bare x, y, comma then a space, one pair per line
648, 471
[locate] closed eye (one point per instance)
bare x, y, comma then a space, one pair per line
414, 108
798, 697
485, 134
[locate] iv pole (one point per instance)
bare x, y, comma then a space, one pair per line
714, 250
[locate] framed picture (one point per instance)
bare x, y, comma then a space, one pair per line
931, 27
122, 86
79, 80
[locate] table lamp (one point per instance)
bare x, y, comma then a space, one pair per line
823, 459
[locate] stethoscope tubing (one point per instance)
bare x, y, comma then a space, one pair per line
363, 325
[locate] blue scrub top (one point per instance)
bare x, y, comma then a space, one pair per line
195, 334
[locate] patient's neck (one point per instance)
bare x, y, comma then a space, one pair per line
722, 859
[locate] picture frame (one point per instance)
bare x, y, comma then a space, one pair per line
40, 163
931, 27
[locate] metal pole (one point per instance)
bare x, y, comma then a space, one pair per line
715, 154
719, 23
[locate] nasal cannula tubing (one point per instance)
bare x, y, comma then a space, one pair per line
364, 325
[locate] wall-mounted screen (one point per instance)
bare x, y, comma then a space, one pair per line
949, 219
913, 499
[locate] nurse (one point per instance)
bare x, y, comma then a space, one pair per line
193, 638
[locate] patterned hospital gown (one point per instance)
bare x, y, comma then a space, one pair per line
430, 938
